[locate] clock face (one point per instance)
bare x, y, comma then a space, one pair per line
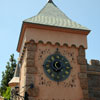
57, 67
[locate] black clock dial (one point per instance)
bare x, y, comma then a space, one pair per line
57, 67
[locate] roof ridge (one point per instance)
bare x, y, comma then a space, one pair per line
50, 1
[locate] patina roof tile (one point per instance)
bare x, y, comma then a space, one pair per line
51, 15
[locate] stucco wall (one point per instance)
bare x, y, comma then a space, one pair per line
56, 36
50, 90
22, 76
69, 89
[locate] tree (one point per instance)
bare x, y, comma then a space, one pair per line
7, 94
7, 75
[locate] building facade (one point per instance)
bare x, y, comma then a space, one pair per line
52, 59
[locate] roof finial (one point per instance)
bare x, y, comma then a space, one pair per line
50, 1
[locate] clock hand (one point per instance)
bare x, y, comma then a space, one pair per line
56, 65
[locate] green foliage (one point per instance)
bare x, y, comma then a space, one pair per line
7, 75
7, 94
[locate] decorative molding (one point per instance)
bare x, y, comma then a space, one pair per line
41, 42
73, 45
37, 26
48, 42
65, 44
57, 43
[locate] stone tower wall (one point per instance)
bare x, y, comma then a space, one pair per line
93, 73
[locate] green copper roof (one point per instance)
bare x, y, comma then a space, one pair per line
51, 15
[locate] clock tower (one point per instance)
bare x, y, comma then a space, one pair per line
52, 56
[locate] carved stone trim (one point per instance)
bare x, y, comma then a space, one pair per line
83, 75
84, 83
81, 51
81, 60
85, 94
31, 46
83, 72
31, 70
28, 46
30, 55
30, 62
30, 49
83, 68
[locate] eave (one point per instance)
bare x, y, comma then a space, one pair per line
53, 28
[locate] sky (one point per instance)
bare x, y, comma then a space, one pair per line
13, 12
